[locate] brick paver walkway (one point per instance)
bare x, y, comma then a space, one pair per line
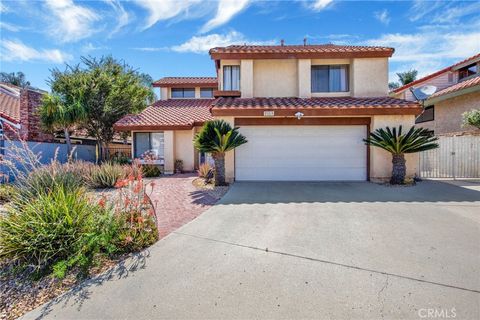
178, 201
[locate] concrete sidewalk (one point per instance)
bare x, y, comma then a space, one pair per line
302, 250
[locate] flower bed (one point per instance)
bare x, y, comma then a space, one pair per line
56, 234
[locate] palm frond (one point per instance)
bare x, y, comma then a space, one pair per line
218, 136
396, 142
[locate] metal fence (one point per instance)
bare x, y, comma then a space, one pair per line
457, 157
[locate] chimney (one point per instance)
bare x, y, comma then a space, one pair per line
30, 129
282, 42
305, 41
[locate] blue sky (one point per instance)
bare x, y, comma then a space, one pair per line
171, 38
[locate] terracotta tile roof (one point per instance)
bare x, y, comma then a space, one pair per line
320, 50
300, 103
433, 75
457, 87
168, 114
10, 102
210, 82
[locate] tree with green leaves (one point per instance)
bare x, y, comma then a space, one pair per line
472, 118
107, 89
15, 78
407, 76
398, 144
393, 85
56, 114
217, 137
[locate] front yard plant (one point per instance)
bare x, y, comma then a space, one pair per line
55, 226
217, 137
398, 144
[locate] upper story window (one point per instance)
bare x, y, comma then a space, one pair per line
467, 71
231, 78
427, 115
183, 93
332, 78
206, 92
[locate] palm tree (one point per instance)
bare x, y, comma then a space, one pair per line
55, 115
18, 79
407, 76
217, 137
393, 141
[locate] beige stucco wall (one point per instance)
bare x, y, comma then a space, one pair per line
370, 77
169, 151
275, 78
246, 78
304, 78
184, 149
448, 113
380, 160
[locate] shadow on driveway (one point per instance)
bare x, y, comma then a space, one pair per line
345, 192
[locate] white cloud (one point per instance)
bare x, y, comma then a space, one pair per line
122, 16
70, 22
10, 27
152, 49
3, 7
90, 47
319, 5
15, 50
226, 10
428, 51
382, 16
164, 10
201, 44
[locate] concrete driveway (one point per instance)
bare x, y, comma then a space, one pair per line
303, 250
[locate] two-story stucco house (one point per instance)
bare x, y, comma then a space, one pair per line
303, 108
458, 90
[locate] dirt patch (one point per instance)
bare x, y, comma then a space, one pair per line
20, 294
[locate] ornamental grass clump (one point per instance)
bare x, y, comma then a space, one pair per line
105, 175
55, 231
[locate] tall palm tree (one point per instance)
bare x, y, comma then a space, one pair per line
393, 141
55, 115
217, 137
407, 76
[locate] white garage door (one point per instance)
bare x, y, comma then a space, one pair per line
302, 153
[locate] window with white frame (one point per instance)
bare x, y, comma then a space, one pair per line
148, 141
330, 78
231, 78
183, 93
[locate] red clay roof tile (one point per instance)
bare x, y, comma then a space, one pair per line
172, 113
456, 87
210, 82
333, 102
299, 50
10, 102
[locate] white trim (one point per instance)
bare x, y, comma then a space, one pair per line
15, 125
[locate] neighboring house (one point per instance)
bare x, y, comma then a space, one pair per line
18, 117
458, 90
304, 109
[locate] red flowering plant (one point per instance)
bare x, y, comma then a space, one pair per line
135, 211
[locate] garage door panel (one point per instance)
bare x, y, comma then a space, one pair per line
302, 153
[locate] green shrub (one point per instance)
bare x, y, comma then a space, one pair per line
56, 231
46, 178
7, 191
120, 158
105, 175
151, 170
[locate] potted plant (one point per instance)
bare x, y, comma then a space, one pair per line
178, 166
